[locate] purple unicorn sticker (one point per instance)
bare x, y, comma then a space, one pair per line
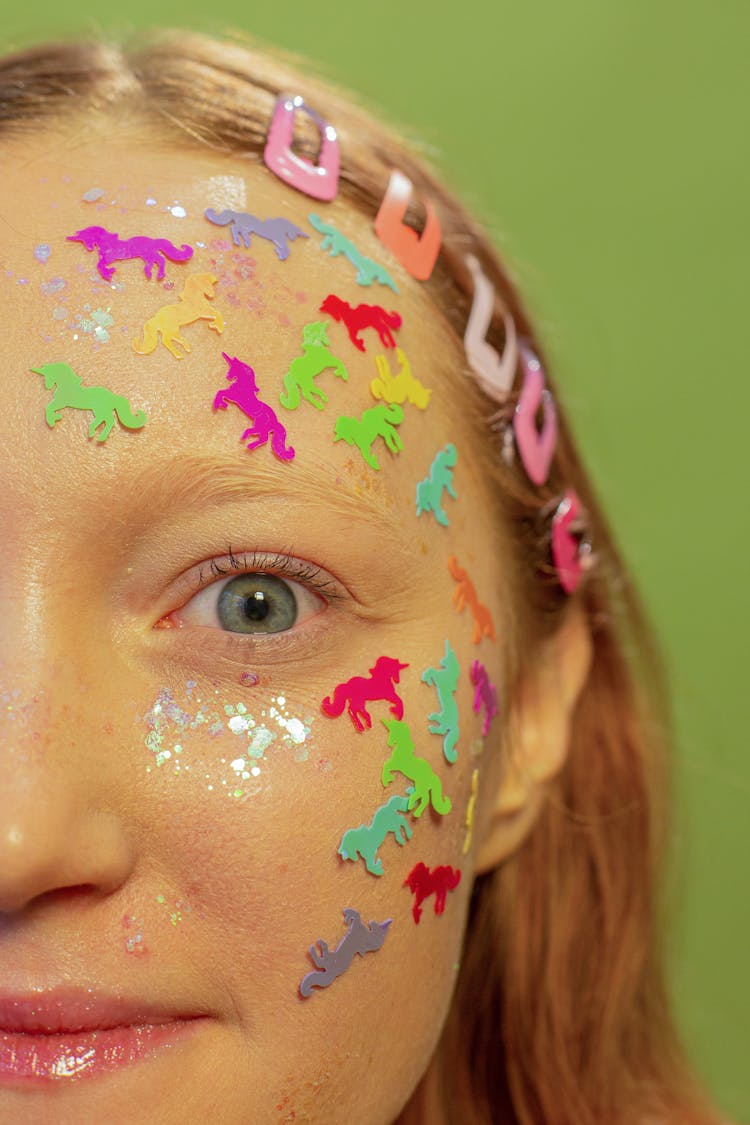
243, 392
279, 231
112, 248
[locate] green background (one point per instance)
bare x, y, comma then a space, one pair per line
605, 144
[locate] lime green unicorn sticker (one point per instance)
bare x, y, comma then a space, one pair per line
104, 404
379, 421
304, 368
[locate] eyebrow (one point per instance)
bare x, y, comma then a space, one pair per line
193, 481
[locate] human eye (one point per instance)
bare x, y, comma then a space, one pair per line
254, 594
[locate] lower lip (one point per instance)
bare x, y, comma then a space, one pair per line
27, 1057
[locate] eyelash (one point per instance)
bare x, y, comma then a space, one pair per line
281, 565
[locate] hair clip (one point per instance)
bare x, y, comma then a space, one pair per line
417, 253
303, 369
361, 317
112, 248
359, 939
321, 180
106, 406
495, 373
570, 554
279, 231
536, 448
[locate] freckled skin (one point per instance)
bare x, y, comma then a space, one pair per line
91, 566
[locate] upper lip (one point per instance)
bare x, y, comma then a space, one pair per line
61, 1010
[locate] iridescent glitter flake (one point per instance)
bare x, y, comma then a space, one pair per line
92, 195
134, 942
97, 323
42, 251
170, 726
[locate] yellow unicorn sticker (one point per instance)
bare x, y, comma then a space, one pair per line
193, 305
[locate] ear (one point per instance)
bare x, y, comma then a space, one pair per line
539, 736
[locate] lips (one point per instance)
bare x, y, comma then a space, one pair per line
76, 1033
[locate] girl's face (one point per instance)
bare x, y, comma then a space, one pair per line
176, 608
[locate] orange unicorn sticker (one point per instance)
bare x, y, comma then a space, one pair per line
465, 594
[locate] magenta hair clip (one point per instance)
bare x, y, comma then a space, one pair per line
423, 882
536, 447
417, 253
570, 556
243, 392
495, 373
321, 180
359, 939
356, 319
112, 248
485, 695
355, 692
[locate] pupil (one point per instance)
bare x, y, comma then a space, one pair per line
256, 606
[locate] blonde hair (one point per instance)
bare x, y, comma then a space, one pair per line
560, 1013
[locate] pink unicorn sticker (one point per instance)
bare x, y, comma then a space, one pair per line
321, 180
355, 693
243, 392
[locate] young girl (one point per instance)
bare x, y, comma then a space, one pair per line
331, 761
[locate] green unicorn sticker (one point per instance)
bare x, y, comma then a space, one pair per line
105, 405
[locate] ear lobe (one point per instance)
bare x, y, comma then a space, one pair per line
539, 736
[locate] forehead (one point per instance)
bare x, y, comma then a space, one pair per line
60, 310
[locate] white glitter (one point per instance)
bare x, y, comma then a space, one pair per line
178, 211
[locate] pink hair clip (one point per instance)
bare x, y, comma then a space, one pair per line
321, 180
536, 447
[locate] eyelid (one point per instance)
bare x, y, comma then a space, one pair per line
215, 570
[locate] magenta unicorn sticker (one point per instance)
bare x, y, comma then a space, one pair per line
243, 392
112, 248
355, 693
485, 695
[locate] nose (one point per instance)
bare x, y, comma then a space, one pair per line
58, 832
